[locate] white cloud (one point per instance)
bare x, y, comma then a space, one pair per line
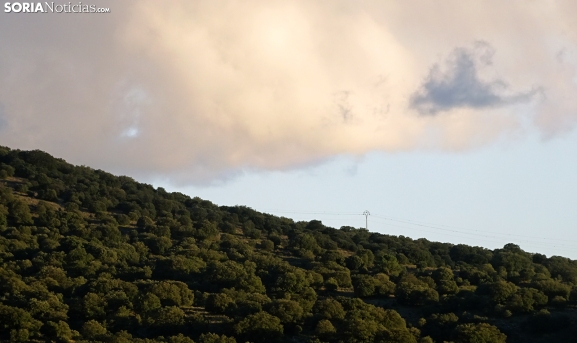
200, 90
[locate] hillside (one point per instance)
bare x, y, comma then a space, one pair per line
87, 256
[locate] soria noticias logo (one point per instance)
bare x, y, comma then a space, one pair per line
51, 7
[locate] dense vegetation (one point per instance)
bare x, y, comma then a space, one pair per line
89, 256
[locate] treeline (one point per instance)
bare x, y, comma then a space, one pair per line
87, 256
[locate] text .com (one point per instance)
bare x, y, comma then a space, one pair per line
51, 7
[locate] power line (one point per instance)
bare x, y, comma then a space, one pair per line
485, 238
479, 233
452, 230
315, 212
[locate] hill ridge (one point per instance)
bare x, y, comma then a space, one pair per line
87, 255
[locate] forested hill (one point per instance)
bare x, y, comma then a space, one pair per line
87, 256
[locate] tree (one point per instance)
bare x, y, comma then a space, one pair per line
395, 336
388, 264
207, 230
412, 291
364, 286
526, 299
391, 319
19, 213
367, 257
343, 277
219, 303
173, 293
3, 216
267, 245
158, 245
19, 335
332, 284
259, 327
94, 306
478, 333
553, 288
168, 316
93, 330
498, 291
329, 309
148, 302
325, 329
231, 274
306, 242
51, 308
214, 338
7, 170
360, 329
383, 284
445, 281
59, 331
292, 282
288, 311
182, 267
354, 262
513, 259
180, 338
306, 299
19, 322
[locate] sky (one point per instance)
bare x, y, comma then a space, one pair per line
446, 120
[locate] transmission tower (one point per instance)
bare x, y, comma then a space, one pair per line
366, 214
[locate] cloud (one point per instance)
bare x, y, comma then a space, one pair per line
460, 86
3, 122
200, 91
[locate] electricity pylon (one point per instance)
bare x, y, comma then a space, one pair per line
366, 214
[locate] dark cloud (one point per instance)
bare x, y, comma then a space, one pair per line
459, 86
